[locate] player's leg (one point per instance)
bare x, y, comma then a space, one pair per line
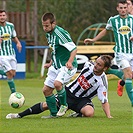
120, 87
1, 68
125, 62
10, 81
9, 65
82, 106
48, 90
87, 111
121, 82
63, 77
128, 83
35, 109
116, 72
2, 72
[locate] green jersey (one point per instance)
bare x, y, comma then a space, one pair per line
123, 30
60, 42
7, 32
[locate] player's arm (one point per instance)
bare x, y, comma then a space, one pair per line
47, 65
18, 44
106, 109
102, 96
71, 59
98, 37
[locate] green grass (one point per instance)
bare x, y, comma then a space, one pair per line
32, 90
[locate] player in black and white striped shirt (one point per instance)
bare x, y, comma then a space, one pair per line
91, 82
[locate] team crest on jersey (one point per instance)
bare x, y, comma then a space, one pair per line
124, 30
5, 36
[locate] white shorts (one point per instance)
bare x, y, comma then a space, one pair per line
8, 63
62, 75
124, 60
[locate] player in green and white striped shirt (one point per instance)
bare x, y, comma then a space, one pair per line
122, 26
8, 61
63, 63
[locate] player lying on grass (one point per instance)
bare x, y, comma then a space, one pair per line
91, 82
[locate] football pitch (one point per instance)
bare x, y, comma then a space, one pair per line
121, 110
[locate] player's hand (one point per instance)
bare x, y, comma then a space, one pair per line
131, 38
88, 40
0, 40
69, 65
110, 116
47, 65
19, 47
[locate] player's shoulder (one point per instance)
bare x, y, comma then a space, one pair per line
60, 29
9, 23
114, 17
130, 15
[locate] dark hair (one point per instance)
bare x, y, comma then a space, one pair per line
107, 60
2, 10
121, 1
49, 16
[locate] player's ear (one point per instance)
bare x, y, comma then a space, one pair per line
53, 24
105, 69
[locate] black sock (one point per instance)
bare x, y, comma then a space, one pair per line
122, 82
35, 109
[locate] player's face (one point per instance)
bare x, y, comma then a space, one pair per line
3, 17
130, 6
48, 26
98, 66
122, 10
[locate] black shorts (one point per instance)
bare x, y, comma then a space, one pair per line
74, 103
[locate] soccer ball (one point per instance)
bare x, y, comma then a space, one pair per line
16, 100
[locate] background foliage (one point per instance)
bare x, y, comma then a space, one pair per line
73, 15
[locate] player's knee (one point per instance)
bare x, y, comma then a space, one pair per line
87, 111
58, 85
44, 90
47, 91
10, 74
44, 106
88, 114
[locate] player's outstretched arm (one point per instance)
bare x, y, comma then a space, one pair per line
106, 109
98, 37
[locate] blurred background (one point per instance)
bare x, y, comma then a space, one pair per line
73, 15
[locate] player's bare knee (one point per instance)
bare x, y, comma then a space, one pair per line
10, 74
87, 111
58, 85
47, 91
89, 114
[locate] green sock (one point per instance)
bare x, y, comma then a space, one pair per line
51, 102
62, 96
116, 72
2, 72
128, 86
11, 85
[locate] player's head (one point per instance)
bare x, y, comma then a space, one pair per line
3, 16
102, 63
48, 22
122, 8
130, 6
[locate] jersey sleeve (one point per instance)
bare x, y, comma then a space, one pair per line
102, 94
109, 24
65, 40
14, 34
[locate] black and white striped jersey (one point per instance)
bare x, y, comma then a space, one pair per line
87, 84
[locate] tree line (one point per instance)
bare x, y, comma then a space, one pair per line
72, 15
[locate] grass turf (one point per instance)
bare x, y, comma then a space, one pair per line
32, 90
